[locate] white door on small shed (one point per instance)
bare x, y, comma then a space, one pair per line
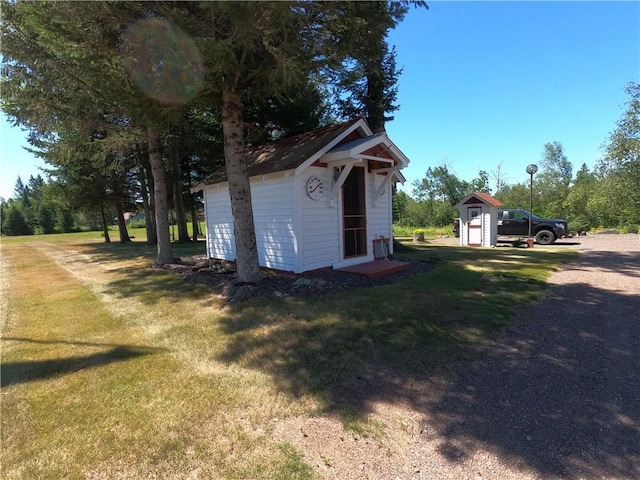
474, 225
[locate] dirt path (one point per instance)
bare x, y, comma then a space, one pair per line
557, 398
560, 395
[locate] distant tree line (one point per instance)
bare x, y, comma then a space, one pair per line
32, 211
607, 196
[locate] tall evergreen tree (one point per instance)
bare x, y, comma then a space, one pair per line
58, 55
14, 221
276, 46
228, 54
368, 75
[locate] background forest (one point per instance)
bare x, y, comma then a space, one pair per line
607, 197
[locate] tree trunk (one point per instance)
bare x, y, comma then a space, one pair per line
195, 223
194, 213
239, 189
105, 226
122, 224
152, 205
149, 214
164, 253
178, 200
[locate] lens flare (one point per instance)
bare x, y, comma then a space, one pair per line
162, 61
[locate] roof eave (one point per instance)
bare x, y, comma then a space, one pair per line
311, 160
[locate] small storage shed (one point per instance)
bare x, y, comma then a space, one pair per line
479, 220
320, 199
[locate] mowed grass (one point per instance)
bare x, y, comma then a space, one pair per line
111, 369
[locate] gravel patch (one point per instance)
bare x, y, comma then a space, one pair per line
558, 397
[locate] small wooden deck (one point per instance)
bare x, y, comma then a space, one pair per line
377, 268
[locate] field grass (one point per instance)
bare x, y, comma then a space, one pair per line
429, 232
111, 369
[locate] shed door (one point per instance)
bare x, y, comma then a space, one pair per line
354, 214
474, 225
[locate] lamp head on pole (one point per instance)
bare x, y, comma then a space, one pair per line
532, 168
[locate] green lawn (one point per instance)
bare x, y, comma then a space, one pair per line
111, 369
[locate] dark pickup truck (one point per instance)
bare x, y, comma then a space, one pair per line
514, 222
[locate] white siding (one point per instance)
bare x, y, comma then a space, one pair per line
294, 232
463, 231
378, 211
272, 200
320, 223
220, 238
490, 227
486, 221
273, 213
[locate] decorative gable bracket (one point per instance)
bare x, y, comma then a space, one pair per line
392, 175
341, 170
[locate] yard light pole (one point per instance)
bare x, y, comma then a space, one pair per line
531, 169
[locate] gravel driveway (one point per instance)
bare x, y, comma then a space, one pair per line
559, 395
556, 397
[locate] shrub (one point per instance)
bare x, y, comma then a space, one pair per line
137, 224
518, 242
579, 224
402, 231
629, 228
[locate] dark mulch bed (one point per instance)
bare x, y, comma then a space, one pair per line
221, 277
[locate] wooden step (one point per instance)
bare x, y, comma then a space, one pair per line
376, 268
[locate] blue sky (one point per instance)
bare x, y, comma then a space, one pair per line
486, 83
491, 82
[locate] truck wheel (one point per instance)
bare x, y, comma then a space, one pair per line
545, 237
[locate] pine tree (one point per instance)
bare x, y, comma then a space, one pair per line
15, 222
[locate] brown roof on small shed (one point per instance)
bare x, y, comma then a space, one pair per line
285, 154
479, 197
486, 198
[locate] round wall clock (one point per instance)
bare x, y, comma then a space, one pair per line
315, 188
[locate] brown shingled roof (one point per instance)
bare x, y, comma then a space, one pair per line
482, 197
285, 154
485, 197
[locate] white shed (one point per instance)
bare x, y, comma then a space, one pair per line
479, 220
320, 199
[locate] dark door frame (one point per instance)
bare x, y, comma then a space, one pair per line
354, 214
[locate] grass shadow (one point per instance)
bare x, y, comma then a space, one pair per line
539, 397
151, 286
139, 280
13, 373
365, 345
109, 252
